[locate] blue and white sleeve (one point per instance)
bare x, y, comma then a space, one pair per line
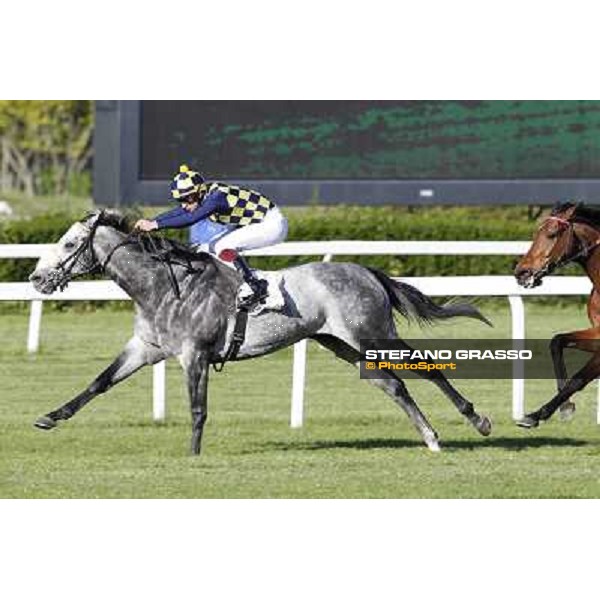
178, 217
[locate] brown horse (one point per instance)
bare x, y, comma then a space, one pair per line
570, 234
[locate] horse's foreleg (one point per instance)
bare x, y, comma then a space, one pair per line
196, 368
589, 372
587, 340
557, 346
135, 355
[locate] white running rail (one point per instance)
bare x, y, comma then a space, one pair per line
434, 286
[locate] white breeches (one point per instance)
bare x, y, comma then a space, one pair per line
271, 230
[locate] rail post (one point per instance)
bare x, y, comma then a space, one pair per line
517, 310
298, 380
158, 391
299, 376
35, 323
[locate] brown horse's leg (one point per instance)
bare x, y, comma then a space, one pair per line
587, 340
589, 372
557, 346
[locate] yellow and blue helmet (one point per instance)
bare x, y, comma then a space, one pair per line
186, 182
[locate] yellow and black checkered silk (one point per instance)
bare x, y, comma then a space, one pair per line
245, 206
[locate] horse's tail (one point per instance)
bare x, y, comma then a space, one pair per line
413, 304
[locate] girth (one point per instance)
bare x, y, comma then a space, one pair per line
237, 338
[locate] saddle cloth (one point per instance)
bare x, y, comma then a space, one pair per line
275, 286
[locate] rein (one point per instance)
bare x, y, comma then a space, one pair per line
162, 255
166, 256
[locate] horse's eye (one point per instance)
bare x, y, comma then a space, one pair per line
69, 246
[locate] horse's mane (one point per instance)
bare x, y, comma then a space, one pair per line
589, 215
114, 219
149, 243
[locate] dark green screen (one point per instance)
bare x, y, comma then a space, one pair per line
372, 139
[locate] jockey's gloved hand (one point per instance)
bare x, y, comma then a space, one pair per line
145, 225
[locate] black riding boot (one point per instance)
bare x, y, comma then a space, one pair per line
258, 286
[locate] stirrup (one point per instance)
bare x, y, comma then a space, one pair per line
259, 294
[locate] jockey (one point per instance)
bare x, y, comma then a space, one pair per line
247, 219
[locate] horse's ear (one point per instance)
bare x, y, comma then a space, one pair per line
570, 209
564, 209
91, 219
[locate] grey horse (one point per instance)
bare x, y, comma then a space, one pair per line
188, 311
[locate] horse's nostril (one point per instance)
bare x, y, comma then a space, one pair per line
34, 278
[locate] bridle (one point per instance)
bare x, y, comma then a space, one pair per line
65, 267
163, 255
582, 250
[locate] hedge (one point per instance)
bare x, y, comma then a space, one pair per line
344, 223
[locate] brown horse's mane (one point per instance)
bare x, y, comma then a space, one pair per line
589, 215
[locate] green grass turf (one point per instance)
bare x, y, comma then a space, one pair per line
355, 444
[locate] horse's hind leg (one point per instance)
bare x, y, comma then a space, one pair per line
135, 355
396, 388
390, 384
464, 407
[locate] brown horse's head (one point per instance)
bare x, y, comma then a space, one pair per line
554, 242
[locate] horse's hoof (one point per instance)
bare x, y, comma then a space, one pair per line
484, 426
567, 410
528, 422
195, 446
433, 445
45, 422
